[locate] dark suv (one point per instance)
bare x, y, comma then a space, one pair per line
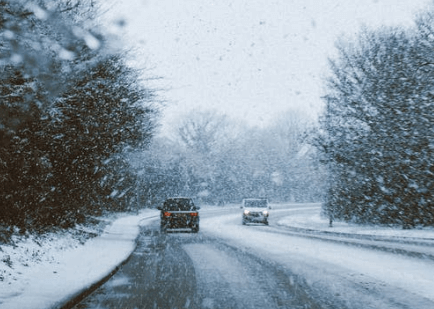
179, 213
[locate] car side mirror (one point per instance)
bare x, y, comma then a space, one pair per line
160, 208
269, 207
197, 207
241, 207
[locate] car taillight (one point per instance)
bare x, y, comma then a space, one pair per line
167, 214
194, 214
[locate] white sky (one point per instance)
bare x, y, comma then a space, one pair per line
251, 59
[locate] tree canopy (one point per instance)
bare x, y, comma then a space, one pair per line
217, 160
377, 131
70, 111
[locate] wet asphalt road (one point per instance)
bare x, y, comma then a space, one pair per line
189, 270
199, 270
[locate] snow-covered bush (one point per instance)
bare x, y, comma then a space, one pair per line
377, 131
70, 109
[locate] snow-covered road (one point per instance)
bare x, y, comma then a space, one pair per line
229, 265
340, 275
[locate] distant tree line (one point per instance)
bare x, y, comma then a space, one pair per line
216, 160
377, 133
70, 112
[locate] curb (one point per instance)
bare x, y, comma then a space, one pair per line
356, 240
80, 295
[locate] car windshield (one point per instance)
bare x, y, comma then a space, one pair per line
255, 203
179, 204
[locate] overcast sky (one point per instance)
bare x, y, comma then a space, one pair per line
251, 59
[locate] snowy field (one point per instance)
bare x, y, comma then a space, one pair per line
43, 273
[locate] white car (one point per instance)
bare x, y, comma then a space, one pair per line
255, 210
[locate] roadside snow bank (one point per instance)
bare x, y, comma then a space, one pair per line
313, 221
42, 275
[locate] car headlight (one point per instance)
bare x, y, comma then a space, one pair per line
265, 213
246, 212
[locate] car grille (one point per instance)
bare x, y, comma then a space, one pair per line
256, 214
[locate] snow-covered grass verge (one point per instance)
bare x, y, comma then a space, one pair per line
314, 221
40, 272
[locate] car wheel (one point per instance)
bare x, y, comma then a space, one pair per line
195, 229
163, 228
244, 222
266, 222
